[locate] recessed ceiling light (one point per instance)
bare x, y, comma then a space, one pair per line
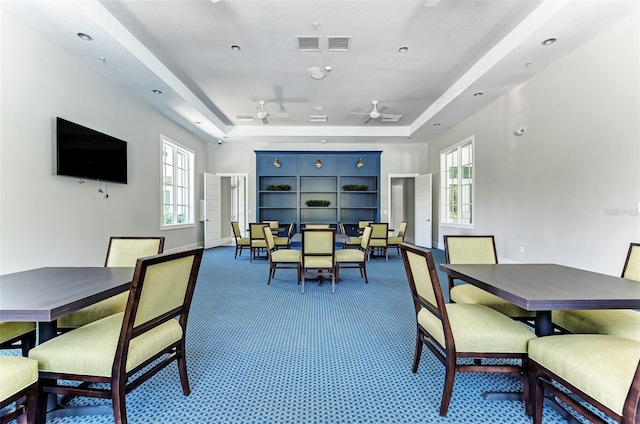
85, 37
317, 75
403, 49
548, 41
478, 94
235, 48
157, 91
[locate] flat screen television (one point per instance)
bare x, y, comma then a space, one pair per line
88, 154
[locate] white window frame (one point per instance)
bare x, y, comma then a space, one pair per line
444, 188
190, 198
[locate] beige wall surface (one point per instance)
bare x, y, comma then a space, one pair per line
49, 220
567, 191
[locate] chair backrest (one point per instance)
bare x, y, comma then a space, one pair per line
470, 250
292, 228
255, 230
425, 287
402, 229
268, 237
631, 269
271, 224
363, 224
380, 230
161, 290
236, 230
125, 251
366, 238
341, 226
318, 244
317, 226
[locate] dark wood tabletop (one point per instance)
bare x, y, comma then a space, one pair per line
46, 294
546, 287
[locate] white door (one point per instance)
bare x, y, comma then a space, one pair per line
423, 211
212, 211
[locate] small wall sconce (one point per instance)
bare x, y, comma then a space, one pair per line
360, 164
276, 162
318, 163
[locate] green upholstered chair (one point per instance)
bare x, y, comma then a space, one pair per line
122, 252
362, 225
142, 340
614, 322
274, 225
19, 386
258, 244
354, 242
478, 250
15, 335
460, 330
241, 242
285, 258
601, 370
285, 242
379, 237
351, 258
394, 241
318, 254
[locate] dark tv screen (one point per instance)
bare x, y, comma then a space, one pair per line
88, 154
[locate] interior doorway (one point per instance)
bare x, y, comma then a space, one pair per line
401, 206
234, 200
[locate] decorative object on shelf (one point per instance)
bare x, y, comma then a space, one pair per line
318, 163
355, 187
360, 163
278, 187
276, 162
322, 203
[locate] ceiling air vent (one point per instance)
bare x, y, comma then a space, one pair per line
308, 44
318, 118
245, 118
338, 44
393, 118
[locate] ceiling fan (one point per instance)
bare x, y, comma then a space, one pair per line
376, 113
263, 114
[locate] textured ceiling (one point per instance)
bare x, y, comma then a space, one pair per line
183, 48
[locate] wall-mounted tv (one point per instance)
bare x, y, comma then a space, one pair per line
88, 154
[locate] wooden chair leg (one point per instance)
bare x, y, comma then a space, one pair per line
538, 397
417, 353
118, 399
449, 379
28, 343
41, 414
182, 369
31, 404
364, 271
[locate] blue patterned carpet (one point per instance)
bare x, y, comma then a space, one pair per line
269, 354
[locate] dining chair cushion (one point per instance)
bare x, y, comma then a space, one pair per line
90, 349
614, 322
599, 365
286, 256
469, 324
11, 330
349, 255
393, 240
243, 241
16, 374
258, 243
317, 262
468, 293
378, 242
102, 309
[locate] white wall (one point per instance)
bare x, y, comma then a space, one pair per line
556, 189
47, 220
395, 159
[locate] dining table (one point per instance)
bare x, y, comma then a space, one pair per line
543, 288
340, 238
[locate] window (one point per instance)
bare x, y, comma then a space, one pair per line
456, 182
177, 185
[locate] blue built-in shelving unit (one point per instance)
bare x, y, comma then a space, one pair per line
308, 182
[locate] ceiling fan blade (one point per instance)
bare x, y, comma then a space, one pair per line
383, 107
387, 115
265, 121
366, 121
359, 113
